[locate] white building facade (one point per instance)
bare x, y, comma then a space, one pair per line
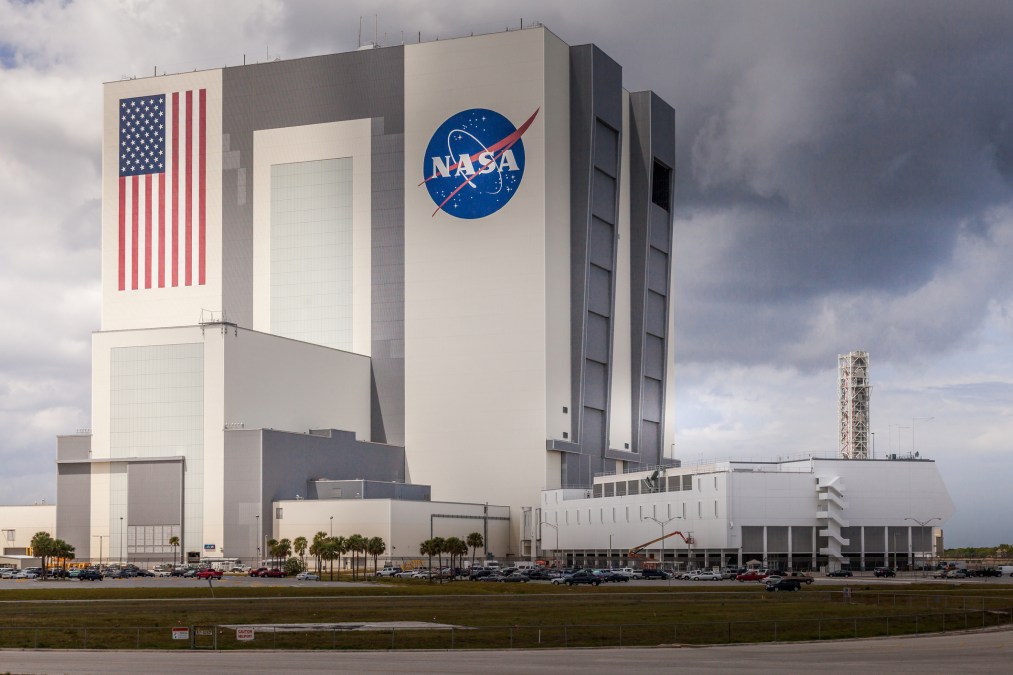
806, 514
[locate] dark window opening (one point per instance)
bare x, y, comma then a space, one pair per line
661, 181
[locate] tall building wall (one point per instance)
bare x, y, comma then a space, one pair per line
483, 223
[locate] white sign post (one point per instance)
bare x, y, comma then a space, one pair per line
244, 634
181, 633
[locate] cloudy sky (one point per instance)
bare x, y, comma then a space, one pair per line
844, 182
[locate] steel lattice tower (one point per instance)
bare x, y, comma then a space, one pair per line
853, 399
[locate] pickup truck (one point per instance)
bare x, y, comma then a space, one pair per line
388, 571
801, 577
209, 573
752, 575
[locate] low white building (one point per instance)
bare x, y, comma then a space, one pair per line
18, 524
811, 513
403, 524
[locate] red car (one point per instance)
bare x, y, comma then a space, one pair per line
209, 574
752, 575
275, 572
259, 572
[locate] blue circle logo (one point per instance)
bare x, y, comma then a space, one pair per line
474, 163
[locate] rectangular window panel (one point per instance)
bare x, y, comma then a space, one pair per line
606, 148
604, 199
602, 243
661, 186
311, 251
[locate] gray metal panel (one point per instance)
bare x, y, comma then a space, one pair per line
652, 141
73, 447
242, 496
595, 118
777, 539
154, 493
73, 505
336, 87
801, 540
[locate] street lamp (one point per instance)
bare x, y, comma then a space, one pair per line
932, 544
895, 551
610, 550
332, 526
257, 516
121, 540
662, 523
556, 528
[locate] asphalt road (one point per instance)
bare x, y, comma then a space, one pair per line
988, 652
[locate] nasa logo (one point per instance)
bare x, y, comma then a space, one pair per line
474, 163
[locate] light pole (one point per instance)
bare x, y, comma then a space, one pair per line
554, 527
662, 523
913, 420
932, 544
121, 540
257, 516
332, 526
100, 538
610, 550
895, 551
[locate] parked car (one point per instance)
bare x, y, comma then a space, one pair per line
839, 573
752, 575
801, 577
145, 573
785, 584
179, 572
208, 573
405, 574
561, 579
583, 577
514, 578
258, 572
388, 571
274, 573
90, 575
651, 573
162, 573
307, 576
8, 573
539, 574
958, 574
612, 577
706, 576
884, 572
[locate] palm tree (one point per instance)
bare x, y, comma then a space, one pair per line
453, 547
42, 547
427, 548
355, 543
300, 545
340, 548
63, 551
316, 547
272, 550
328, 550
174, 543
439, 548
461, 549
284, 551
375, 547
475, 540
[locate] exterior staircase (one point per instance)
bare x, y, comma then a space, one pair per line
830, 516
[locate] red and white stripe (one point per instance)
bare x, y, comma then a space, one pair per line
163, 216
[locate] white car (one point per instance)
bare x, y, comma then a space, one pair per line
307, 576
25, 574
706, 576
8, 574
407, 574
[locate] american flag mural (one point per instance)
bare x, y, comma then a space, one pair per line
162, 190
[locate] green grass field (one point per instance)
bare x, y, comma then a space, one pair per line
490, 615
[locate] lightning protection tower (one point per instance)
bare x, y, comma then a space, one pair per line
853, 398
